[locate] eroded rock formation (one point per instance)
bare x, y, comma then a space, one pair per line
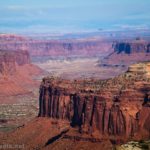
132, 47
126, 53
100, 107
10, 59
16, 76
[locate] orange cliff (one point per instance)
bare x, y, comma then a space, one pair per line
101, 108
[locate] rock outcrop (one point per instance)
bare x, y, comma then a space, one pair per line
16, 75
100, 107
127, 53
9, 60
137, 46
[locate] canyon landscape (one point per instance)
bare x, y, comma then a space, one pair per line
75, 75
92, 100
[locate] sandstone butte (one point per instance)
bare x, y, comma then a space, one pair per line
104, 109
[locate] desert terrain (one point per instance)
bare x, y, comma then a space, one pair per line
73, 94
75, 75
75, 68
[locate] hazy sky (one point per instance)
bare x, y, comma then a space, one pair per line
73, 15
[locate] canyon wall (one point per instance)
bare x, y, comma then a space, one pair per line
126, 53
58, 48
9, 60
115, 52
100, 107
70, 48
132, 47
86, 47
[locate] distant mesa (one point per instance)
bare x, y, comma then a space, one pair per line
45, 47
137, 46
126, 53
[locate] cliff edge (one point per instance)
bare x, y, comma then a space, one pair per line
101, 108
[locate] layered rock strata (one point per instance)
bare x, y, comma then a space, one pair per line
100, 107
137, 46
126, 53
45, 47
9, 60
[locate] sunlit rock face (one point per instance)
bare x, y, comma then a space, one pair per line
100, 107
141, 68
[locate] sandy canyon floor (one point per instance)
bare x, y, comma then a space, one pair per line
79, 68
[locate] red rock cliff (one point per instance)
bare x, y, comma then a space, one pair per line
100, 107
10, 59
